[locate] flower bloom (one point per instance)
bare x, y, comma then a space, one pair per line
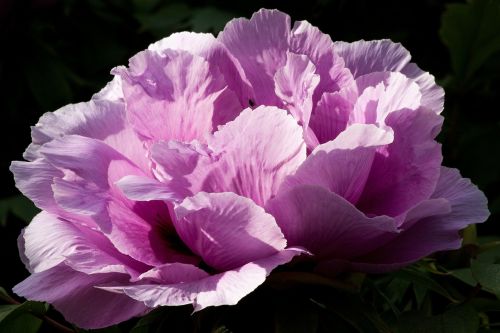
208, 162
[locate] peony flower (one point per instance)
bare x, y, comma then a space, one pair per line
208, 162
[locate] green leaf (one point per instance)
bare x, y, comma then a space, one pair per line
472, 34
165, 319
22, 318
19, 206
424, 280
488, 275
459, 319
209, 19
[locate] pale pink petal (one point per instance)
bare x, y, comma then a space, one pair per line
432, 94
256, 152
260, 45
227, 230
75, 295
226, 288
99, 119
295, 84
209, 48
342, 165
175, 96
239, 157
326, 224
49, 240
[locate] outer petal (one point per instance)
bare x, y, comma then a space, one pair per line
48, 241
342, 165
74, 295
260, 45
226, 288
326, 224
98, 119
227, 230
364, 57
140, 230
176, 95
436, 230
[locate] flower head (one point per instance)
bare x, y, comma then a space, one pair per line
208, 162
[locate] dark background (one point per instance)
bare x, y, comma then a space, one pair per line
57, 52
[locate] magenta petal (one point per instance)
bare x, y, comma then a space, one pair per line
227, 230
226, 288
75, 295
327, 224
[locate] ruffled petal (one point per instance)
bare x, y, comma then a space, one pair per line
226, 288
214, 52
326, 224
227, 230
260, 45
406, 171
175, 95
342, 165
88, 190
75, 295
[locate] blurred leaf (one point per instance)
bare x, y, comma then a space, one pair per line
164, 21
471, 33
22, 318
465, 275
292, 316
165, 319
209, 19
460, 319
425, 281
18, 205
488, 275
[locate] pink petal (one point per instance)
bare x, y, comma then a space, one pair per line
227, 230
226, 288
326, 224
331, 115
318, 47
75, 295
260, 45
206, 46
238, 158
295, 84
88, 190
48, 241
175, 95
256, 152
99, 119
429, 228
342, 165
364, 57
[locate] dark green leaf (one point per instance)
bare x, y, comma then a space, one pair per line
18, 205
488, 275
471, 32
209, 19
22, 318
460, 319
